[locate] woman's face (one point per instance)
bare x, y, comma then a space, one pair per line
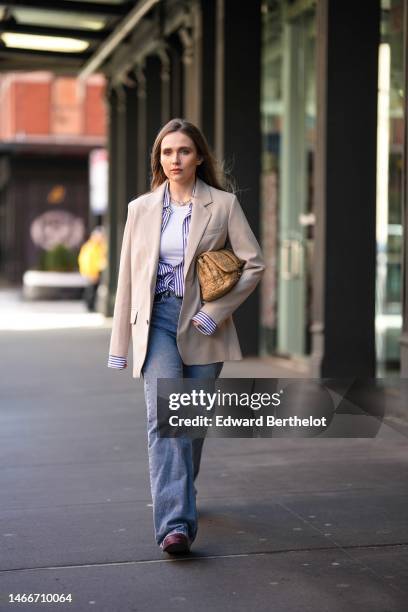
179, 158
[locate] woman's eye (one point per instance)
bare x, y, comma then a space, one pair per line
184, 151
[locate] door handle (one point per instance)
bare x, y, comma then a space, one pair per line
292, 256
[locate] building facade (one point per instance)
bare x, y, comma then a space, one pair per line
48, 126
304, 102
287, 94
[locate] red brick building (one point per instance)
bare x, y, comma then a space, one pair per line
48, 126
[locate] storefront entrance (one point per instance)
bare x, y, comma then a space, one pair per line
296, 211
289, 118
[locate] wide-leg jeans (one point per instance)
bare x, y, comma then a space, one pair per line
174, 463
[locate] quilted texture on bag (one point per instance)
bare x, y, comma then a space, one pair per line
218, 272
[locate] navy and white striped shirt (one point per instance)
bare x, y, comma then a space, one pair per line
169, 277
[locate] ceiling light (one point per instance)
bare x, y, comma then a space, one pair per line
43, 43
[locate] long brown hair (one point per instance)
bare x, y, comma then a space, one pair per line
209, 170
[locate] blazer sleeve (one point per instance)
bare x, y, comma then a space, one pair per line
121, 325
246, 247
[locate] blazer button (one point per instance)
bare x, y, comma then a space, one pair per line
147, 321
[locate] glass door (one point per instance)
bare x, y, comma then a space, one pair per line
390, 135
296, 218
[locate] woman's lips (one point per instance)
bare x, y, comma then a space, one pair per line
176, 170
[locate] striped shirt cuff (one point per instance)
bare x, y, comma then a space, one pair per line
116, 362
206, 324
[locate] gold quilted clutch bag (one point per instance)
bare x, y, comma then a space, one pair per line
218, 272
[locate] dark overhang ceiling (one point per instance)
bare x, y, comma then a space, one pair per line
65, 36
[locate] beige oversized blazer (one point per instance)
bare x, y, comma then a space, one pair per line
216, 219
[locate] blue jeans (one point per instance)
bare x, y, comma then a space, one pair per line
174, 463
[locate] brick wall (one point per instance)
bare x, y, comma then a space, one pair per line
41, 104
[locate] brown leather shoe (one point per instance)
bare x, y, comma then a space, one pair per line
175, 543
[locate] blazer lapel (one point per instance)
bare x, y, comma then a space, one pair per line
151, 228
200, 216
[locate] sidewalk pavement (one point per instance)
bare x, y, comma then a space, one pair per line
285, 524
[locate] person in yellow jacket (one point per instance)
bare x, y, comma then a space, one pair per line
92, 260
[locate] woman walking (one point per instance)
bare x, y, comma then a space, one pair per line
175, 334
